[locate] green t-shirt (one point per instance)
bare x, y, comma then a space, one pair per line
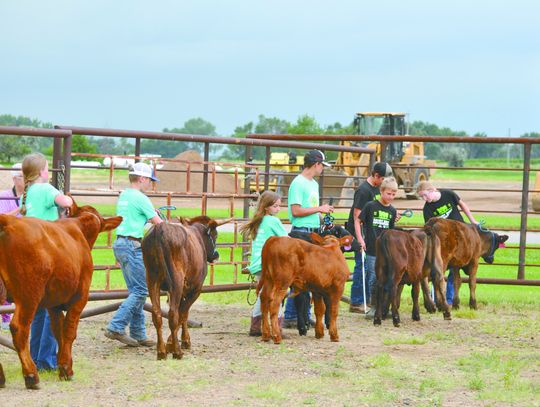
304, 192
40, 201
135, 209
270, 226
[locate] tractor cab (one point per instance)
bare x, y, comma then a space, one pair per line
384, 124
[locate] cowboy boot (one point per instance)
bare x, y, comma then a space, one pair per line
255, 328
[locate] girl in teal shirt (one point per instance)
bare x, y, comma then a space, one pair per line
263, 225
41, 200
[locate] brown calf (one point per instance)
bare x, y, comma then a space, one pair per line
49, 264
401, 258
288, 262
175, 256
460, 245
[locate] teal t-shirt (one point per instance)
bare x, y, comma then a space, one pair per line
40, 201
135, 209
304, 192
270, 226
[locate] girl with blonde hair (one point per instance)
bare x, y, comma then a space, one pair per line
259, 229
41, 200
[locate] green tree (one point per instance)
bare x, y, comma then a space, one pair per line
82, 144
236, 152
14, 147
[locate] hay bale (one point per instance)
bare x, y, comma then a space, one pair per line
176, 181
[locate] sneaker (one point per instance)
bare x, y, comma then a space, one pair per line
149, 343
357, 309
370, 314
126, 340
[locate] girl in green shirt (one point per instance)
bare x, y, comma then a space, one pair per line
263, 225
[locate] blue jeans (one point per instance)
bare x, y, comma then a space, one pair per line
357, 287
129, 254
371, 281
450, 288
43, 345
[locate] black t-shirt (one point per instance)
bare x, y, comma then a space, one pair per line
375, 218
363, 194
446, 207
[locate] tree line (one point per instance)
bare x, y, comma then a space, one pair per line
14, 147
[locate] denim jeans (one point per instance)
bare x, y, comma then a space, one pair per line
357, 287
129, 254
450, 288
256, 312
43, 345
371, 281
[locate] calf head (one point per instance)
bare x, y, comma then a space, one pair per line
339, 232
491, 242
331, 240
92, 223
209, 233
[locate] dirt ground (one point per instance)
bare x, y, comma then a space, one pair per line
420, 363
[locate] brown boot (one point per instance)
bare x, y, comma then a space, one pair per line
255, 328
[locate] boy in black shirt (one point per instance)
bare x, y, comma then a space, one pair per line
445, 204
366, 192
377, 216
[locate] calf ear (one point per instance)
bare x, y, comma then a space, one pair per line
316, 239
111, 223
74, 208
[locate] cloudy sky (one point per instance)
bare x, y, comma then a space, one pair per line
468, 65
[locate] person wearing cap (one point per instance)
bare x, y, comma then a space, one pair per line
305, 211
9, 205
136, 210
366, 192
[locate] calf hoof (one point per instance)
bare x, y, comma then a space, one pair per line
177, 355
396, 322
472, 305
376, 321
334, 339
416, 317
277, 340
302, 332
319, 335
161, 356
447, 316
64, 373
455, 305
186, 345
31, 382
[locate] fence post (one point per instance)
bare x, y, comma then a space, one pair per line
267, 168
137, 149
524, 209
67, 163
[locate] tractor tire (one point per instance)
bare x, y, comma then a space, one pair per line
421, 174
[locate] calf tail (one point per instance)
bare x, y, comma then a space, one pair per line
157, 255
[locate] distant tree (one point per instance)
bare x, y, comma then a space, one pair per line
435, 150
171, 149
305, 124
81, 144
236, 152
14, 147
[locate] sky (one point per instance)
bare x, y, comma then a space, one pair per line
141, 65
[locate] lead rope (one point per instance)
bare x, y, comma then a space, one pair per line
251, 278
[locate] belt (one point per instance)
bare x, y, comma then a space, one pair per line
135, 239
306, 229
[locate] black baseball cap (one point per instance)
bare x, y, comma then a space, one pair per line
382, 168
315, 156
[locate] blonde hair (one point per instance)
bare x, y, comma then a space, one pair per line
389, 183
267, 199
423, 186
32, 166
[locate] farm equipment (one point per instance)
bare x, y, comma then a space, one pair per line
406, 158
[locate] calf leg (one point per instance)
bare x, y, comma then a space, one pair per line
428, 302
301, 302
415, 292
274, 312
334, 309
457, 286
472, 285
157, 319
319, 307
265, 311
174, 318
376, 300
185, 305
20, 331
440, 294
63, 358
395, 303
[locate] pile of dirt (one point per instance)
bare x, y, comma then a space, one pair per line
176, 181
